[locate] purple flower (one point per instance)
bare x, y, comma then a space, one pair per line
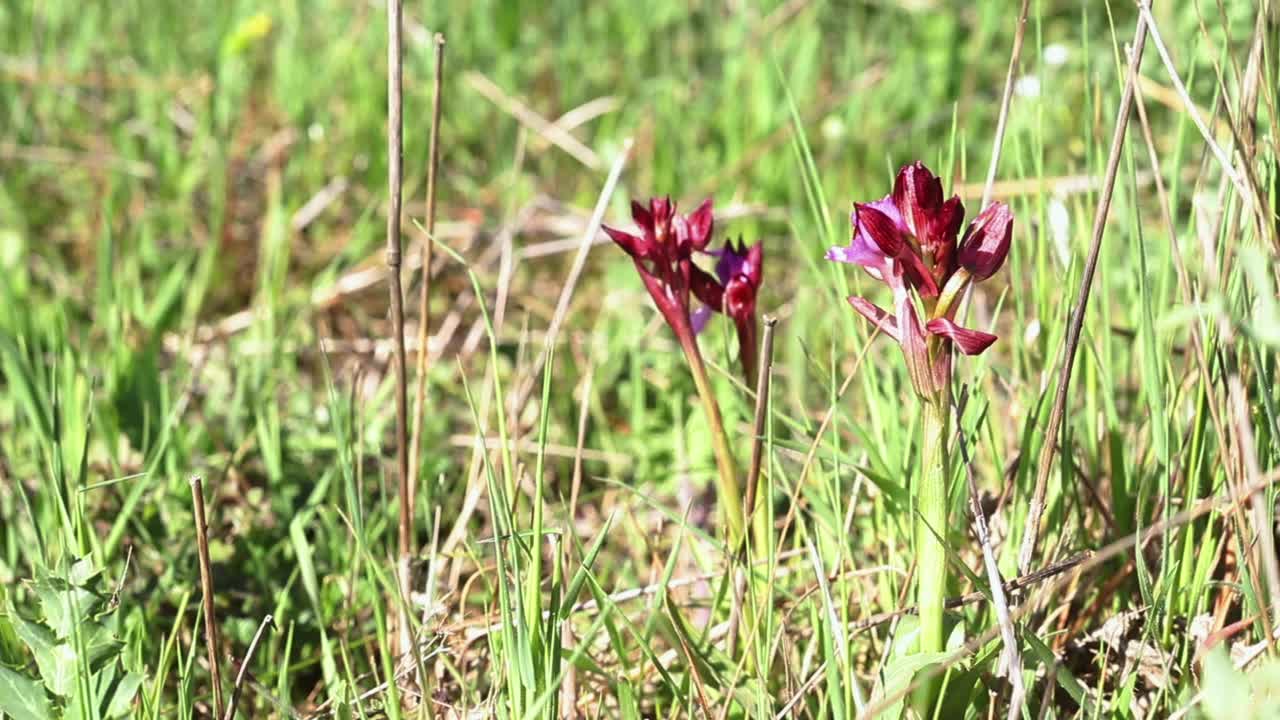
663, 255
739, 270
909, 240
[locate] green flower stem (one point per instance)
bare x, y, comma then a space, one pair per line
931, 524
730, 491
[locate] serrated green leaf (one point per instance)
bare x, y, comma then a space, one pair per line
82, 574
101, 645
22, 698
54, 660
65, 605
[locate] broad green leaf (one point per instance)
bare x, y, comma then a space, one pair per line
898, 675
55, 661
122, 698
22, 698
65, 605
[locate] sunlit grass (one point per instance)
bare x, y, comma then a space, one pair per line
191, 214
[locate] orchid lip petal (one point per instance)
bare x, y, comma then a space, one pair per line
878, 317
970, 342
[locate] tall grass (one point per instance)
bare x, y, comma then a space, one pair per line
190, 220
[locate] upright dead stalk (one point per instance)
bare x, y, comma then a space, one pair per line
424, 308
394, 158
206, 591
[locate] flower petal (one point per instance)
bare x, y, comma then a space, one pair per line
918, 275
705, 288
753, 268
642, 216
859, 252
970, 342
635, 246
986, 242
876, 315
740, 298
880, 229
918, 194
730, 260
661, 208
946, 222
700, 225
699, 318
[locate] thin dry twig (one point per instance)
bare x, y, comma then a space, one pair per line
395, 129
1087, 562
1012, 658
571, 282
1035, 512
551, 132
244, 667
1005, 100
425, 252
206, 591
1224, 159
762, 409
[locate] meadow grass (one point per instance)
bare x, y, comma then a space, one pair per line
192, 209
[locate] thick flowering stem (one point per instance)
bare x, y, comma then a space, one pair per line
931, 523
730, 491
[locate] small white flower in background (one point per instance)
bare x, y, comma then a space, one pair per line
1027, 86
1060, 229
315, 132
1032, 332
833, 128
1055, 54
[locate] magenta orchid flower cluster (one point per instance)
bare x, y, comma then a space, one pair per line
663, 253
910, 240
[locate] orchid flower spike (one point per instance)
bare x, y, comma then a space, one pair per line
910, 240
663, 255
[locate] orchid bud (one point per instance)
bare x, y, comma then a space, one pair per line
986, 242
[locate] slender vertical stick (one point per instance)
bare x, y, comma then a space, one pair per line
394, 158
424, 308
1005, 100
762, 408
999, 603
206, 590
244, 668
756, 527
1030, 535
